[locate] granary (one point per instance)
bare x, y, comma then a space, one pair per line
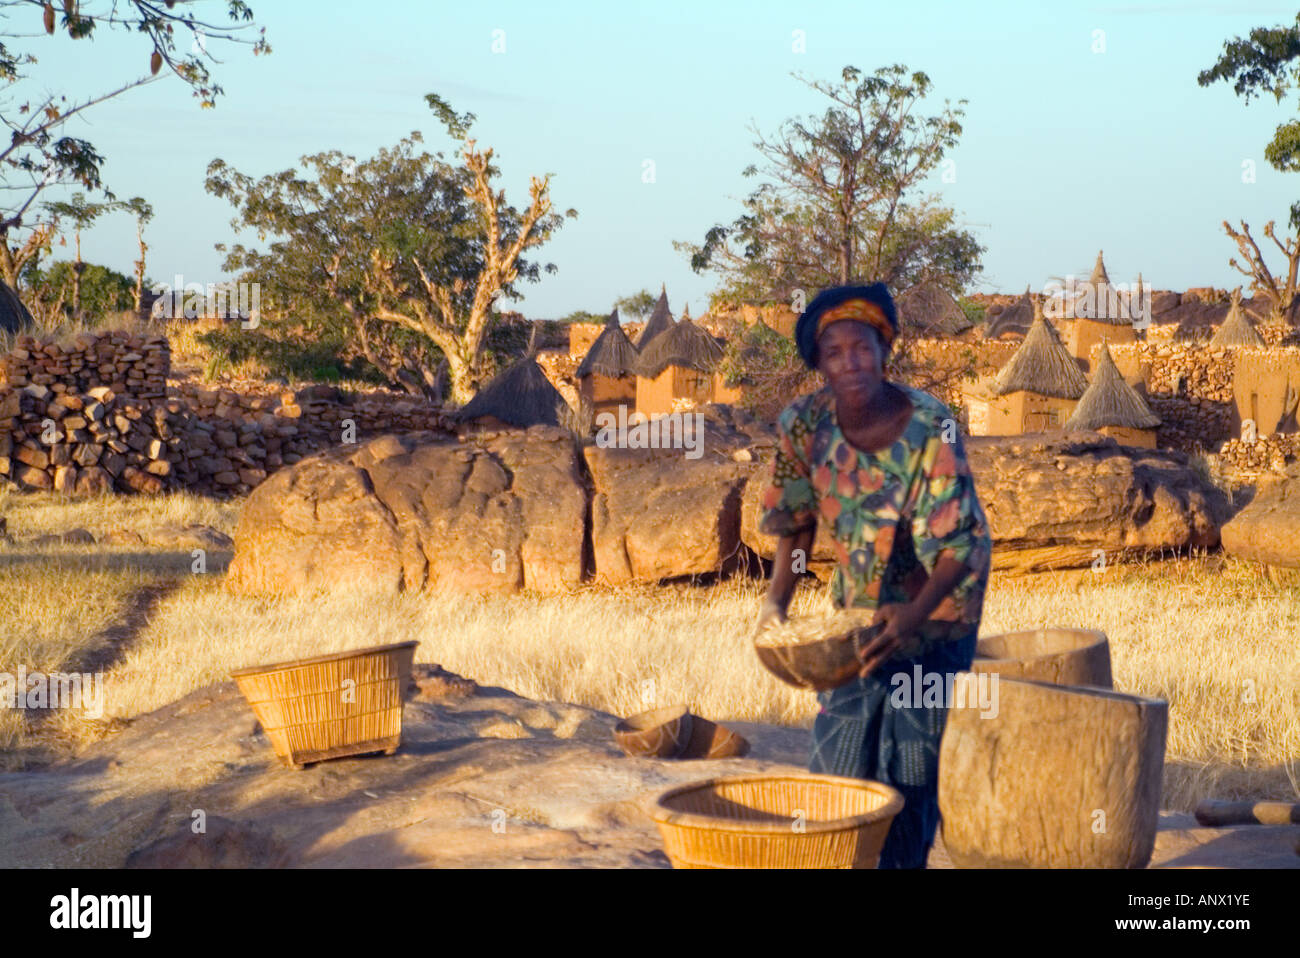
1111, 406
660, 320
1036, 390
14, 316
1236, 329
1012, 321
519, 397
679, 363
928, 310
1100, 314
1265, 391
607, 374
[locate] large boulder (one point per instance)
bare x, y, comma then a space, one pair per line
1054, 499
656, 514
1268, 529
419, 511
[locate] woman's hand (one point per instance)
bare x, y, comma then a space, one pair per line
900, 621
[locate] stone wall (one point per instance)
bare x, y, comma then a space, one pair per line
216, 441
127, 363
1189, 386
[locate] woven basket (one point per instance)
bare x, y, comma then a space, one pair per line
776, 821
329, 706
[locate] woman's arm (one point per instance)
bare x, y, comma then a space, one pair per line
902, 620
784, 578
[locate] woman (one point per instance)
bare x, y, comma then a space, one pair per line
883, 466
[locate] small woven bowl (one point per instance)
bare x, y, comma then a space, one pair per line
659, 733
816, 664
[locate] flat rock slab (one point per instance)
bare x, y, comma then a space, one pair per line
1268, 529
482, 780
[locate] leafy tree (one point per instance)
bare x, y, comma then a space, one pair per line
39, 154
584, 316
407, 251
637, 306
143, 213
103, 291
83, 215
838, 202
1267, 61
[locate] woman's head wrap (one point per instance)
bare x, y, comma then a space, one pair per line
865, 304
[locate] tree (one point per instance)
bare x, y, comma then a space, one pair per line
143, 213
838, 203
103, 290
637, 306
408, 251
1266, 61
83, 215
39, 155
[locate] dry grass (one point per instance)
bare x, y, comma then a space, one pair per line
1213, 637
31, 514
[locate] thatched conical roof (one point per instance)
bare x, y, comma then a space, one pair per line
1099, 277
1110, 401
1041, 365
682, 344
930, 310
1016, 318
660, 320
612, 354
14, 316
1236, 329
521, 396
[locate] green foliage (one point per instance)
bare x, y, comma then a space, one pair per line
973, 310
1265, 62
582, 316
230, 346
104, 291
769, 367
636, 307
839, 201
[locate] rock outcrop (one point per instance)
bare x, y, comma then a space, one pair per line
1053, 500
419, 512
1268, 529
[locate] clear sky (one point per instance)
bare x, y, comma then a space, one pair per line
1066, 150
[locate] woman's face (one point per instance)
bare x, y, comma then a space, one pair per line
850, 356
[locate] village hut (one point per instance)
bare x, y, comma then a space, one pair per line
607, 374
660, 320
1013, 321
1111, 406
519, 397
680, 363
1036, 390
1237, 329
14, 316
1101, 316
928, 310
1265, 391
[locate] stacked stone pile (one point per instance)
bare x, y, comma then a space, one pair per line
1267, 454
212, 441
133, 364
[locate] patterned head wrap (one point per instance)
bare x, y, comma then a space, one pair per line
865, 304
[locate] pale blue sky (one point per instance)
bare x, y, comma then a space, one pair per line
1066, 150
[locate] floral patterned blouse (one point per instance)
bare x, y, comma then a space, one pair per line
864, 497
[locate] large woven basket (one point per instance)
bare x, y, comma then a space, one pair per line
776, 821
330, 706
